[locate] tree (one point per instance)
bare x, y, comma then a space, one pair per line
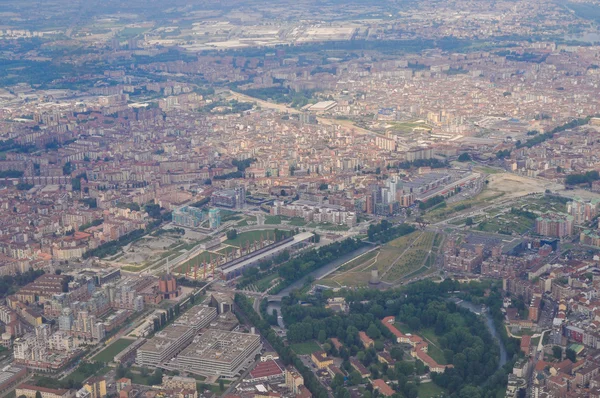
355, 378
221, 385
557, 352
469, 221
571, 355
120, 371
38, 394
396, 353
322, 336
338, 381
232, 234
373, 331
464, 157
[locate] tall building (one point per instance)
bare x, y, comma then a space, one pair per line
214, 218
555, 225
583, 211
232, 198
188, 216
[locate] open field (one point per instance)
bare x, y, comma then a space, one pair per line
502, 220
395, 260
513, 186
412, 258
272, 220
434, 349
430, 390
306, 348
500, 185
408, 127
108, 354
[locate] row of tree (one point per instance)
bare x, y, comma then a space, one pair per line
311, 260
385, 231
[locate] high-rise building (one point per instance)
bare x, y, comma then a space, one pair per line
583, 211
555, 225
214, 217
188, 216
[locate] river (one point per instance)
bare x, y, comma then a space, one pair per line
316, 274
335, 264
489, 322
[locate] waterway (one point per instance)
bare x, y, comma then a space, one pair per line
316, 274
489, 322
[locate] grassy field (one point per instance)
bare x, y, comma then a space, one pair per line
263, 284
131, 32
395, 260
251, 236
305, 348
430, 390
434, 350
108, 354
412, 258
506, 224
487, 170
272, 220
408, 127
79, 377
501, 220
297, 222
485, 197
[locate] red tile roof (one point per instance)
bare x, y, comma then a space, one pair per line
383, 388
266, 369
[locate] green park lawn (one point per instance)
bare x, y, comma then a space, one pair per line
108, 354
306, 348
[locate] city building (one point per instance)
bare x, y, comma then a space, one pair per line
214, 218
554, 225
219, 353
96, 386
164, 345
30, 391
230, 198
188, 216
321, 359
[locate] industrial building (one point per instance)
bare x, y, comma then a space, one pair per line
164, 345
235, 267
197, 317
220, 353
